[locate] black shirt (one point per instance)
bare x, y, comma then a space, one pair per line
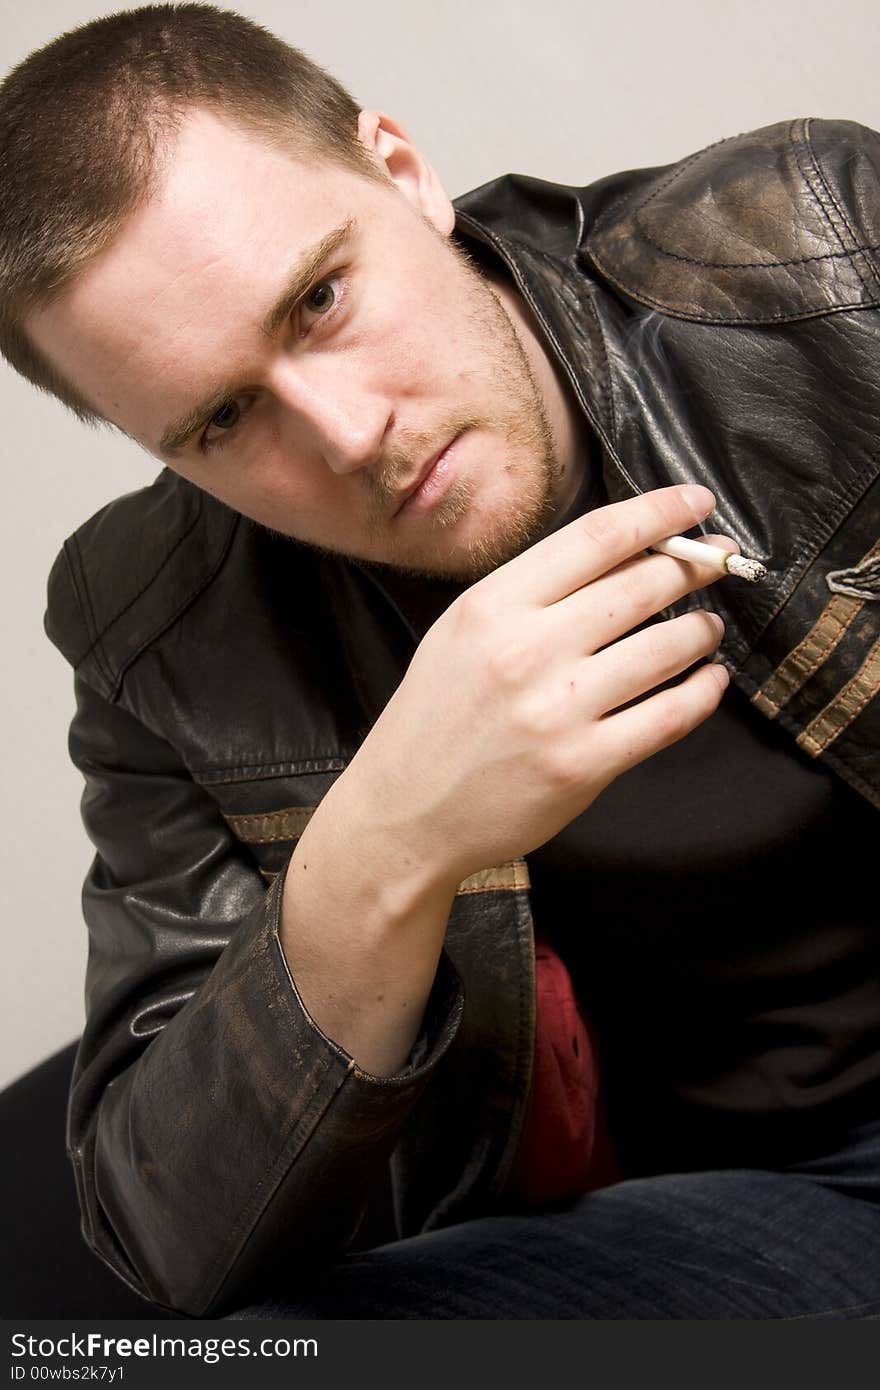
716, 907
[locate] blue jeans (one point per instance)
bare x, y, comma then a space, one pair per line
801, 1242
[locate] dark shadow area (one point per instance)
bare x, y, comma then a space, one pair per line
47, 1270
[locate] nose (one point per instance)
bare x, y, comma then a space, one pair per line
343, 418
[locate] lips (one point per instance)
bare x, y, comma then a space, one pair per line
426, 469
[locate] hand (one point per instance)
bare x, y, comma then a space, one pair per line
508, 723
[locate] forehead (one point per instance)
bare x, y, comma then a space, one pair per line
219, 179
226, 198
198, 266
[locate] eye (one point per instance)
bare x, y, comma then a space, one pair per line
226, 421
322, 301
320, 298
227, 417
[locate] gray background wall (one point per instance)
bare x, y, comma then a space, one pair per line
567, 90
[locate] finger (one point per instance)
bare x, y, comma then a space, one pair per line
696, 551
637, 664
726, 543
597, 542
615, 603
630, 735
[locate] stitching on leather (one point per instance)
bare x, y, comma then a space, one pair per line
753, 265
794, 316
315, 765
827, 206
247, 818
84, 599
807, 142
821, 641
167, 619
229, 1253
731, 265
841, 211
605, 383
840, 712
676, 174
524, 1054
292, 837
798, 146
81, 599
133, 600
553, 268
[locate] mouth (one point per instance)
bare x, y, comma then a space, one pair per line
420, 490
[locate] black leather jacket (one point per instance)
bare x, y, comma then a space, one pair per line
718, 321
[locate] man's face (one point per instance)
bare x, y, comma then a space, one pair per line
316, 417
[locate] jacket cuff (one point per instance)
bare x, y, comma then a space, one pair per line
440, 1022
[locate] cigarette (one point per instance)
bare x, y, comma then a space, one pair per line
702, 554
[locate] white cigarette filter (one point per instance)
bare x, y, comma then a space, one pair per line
739, 565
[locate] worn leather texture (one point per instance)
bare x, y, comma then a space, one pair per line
717, 319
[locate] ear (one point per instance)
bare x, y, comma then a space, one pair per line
390, 146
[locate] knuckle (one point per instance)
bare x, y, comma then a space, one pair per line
676, 507
532, 724
604, 528
672, 720
544, 738
694, 631
726, 543
708, 630
561, 770
688, 636
474, 609
669, 506
699, 633
632, 592
657, 644
510, 660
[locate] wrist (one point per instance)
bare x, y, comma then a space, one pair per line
392, 859
376, 880
362, 927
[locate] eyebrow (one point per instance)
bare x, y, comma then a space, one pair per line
298, 281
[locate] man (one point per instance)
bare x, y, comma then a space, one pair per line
384, 635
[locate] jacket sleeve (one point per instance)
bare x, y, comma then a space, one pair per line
213, 1129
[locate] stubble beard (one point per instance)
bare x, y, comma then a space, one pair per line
532, 462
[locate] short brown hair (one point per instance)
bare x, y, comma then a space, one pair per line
84, 124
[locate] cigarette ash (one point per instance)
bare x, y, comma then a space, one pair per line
744, 568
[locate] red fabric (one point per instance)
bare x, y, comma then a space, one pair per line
564, 1149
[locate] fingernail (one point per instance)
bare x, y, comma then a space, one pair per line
721, 673
700, 499
719, 623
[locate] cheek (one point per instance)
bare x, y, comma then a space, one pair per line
417, 324
295, 494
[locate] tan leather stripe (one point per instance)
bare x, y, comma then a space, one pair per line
289, 825
846, 706
507, 877
809, 654
804, 660
273, 825
503, 878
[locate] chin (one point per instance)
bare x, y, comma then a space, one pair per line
475, 551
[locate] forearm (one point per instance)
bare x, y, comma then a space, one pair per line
362, 925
